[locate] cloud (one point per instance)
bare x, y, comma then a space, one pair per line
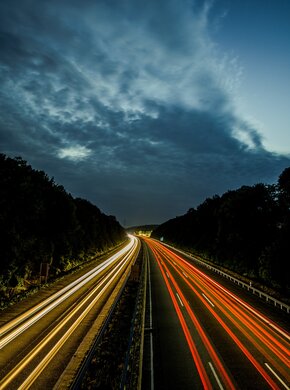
133, 95
74, 153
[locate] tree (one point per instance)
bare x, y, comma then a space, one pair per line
246, 230
41, 222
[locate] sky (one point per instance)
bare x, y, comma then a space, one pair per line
146, 108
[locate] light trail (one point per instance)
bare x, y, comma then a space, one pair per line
36, 313
108, 280
150, 324
226, 291
277, 376
50, 336
258, 330
257, 365
204, 338
247, 324
7, 327
219, 297
195, 355
275, 340
77, 314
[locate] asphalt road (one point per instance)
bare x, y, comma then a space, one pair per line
37, 345
173, 367
203, 335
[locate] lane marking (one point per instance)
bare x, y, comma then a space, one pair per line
209, 301
192, 347
150, 324
151, 362
167, 275
250, 308
184, 274
179, 299
277, 376
215, 375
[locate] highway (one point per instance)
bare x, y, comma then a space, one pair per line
203, 336
37, 345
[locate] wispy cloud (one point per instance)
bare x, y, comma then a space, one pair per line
74, 153
137, 92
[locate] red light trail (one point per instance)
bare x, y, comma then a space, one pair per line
262, 342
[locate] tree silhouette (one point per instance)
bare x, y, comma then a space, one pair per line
41, 223
246, 230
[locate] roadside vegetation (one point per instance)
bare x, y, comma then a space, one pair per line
116, 358
246, 231
41, 223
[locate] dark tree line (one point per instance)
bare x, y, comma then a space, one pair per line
41, 223
246, 230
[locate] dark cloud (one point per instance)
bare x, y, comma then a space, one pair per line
125, 103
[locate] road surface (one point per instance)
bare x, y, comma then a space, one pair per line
36, 346
200, 335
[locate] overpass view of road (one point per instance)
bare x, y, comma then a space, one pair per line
198, 331
144, 195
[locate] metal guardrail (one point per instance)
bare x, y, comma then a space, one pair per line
283, 306
133, 362
76, 385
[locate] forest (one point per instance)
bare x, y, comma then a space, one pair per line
245, 230
41, 223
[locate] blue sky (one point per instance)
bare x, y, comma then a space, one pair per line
257, 34
147, 108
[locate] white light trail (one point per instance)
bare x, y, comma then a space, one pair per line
104, 284
277, 376
36, 313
